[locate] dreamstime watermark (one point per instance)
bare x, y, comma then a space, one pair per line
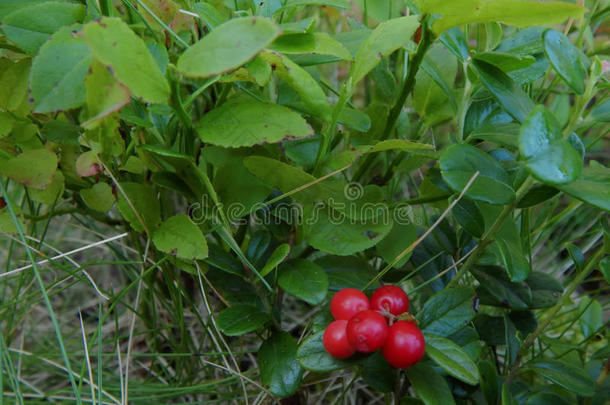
349, 206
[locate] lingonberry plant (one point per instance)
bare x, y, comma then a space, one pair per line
187, 184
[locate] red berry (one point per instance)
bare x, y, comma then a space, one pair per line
347, 303
335, 340
405, 345
367, 331
390, 298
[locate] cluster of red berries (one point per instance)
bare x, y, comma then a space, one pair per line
365, 326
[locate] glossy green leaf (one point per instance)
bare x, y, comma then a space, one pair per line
447, 312
105, 95
497, 289
546, 290
537, 195
301, 81
429, 385
286, 178
549, 158
179, 236
469, 217
545, 398
383, 40
452, 359
567, 375
141, 208
278, 256
519, 13
305, 280
333, 232
57, 78
115, 45
399, 238
240, 319
434, 84
33, 168
227, 47
99, 197
460, 162
318, 43
592, 187
514, 100
505, 61
280, 370
378, 373
29, 27
604, 266
247, 123
565, 59
313, 356
346, 272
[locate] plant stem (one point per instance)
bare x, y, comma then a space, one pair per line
407, 88
487, 238
555, 310
344, 96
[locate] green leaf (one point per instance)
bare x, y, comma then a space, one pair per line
280, 370
496, 289
346, 272
227, 47
51, 193
286, 178
548, 157
302, 82
384, 40
514, 100
505, 61
460, 162
434, 85
57, 78
278, 256
399, 238
34, 168
114, 44
567, 375
469, 217
519, 13
592, 187
178, 235
105, 95
452, 358
142, 199
333, 232
565, 59
604, 266
313, 356
29, 27
318, 43
537, 195
447, 312
247, 123
14, 84
378, 373
344, 4
546, 290
430, 386
305, 280
240, 319
99, 197
591, 319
